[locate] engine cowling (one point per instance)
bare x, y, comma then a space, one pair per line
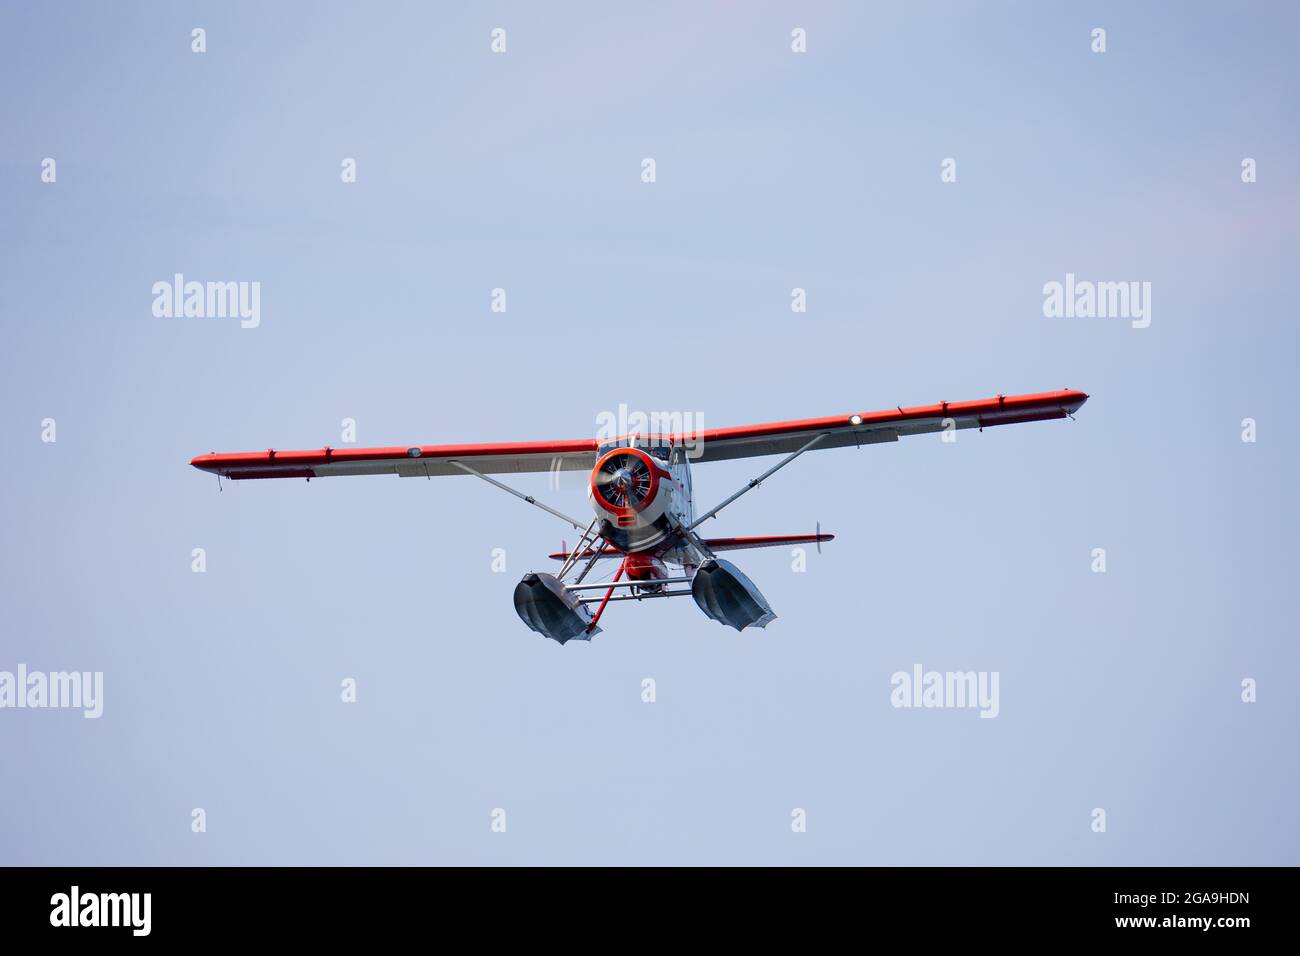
628, 492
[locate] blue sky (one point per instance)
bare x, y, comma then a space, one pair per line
775, 170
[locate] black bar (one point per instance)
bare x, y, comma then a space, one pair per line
977, 905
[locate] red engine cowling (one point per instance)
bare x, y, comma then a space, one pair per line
629, 495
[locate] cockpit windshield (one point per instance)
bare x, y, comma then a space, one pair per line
663, 452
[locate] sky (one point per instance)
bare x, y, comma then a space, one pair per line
473, 740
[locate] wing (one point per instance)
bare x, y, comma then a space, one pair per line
417, 461
716, 444
863, 428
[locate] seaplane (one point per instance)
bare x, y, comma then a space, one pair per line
639, 489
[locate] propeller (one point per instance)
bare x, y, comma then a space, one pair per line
819, 537
624, 481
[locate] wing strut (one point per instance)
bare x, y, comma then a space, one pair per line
695, 541
518, 494
755, 482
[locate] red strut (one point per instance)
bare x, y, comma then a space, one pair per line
601, 610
